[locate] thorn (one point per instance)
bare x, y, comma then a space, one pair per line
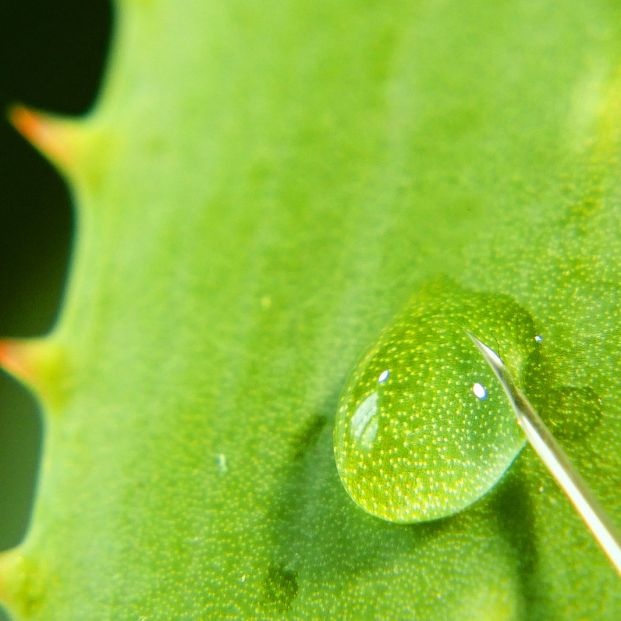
53, 136
12, 359
21, 584
38, 363
10, 562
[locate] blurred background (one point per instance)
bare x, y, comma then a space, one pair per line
52, 55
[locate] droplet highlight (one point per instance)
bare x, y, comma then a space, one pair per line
439, 434
480, 392
384, 375
364, 422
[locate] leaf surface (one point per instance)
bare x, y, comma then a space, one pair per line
261, 188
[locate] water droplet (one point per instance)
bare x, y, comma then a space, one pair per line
420, 447
538, 338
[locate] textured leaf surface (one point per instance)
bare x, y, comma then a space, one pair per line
261, 188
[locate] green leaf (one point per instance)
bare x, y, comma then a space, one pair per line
260, 189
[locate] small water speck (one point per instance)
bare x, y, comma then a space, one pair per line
221, 462
384, 375
538, 338
243, 578
480, 392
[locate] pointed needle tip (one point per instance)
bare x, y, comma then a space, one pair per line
491, 357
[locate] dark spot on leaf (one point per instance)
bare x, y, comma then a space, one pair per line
281, 587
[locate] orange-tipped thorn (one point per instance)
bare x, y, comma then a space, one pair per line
13, 359
53, 137
9, 571
39, 364
21, 583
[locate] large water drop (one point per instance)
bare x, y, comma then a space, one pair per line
423, 428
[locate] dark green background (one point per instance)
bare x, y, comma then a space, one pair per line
51, 57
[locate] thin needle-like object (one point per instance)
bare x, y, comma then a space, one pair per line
555, 460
